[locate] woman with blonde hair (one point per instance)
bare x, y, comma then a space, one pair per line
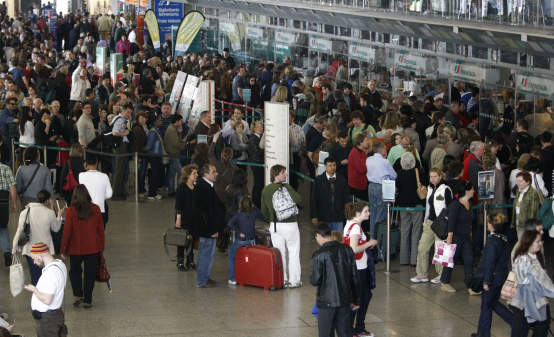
389, 124
281, 95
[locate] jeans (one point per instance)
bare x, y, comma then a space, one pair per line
76, 277
331, 319
464, 249
489, 302
520, 327
336, 226
34, 270
411, 225
358, 316
377, 208
174, 171
5, 240
233, 254
426, 241
206, 252
287, 238
143, 166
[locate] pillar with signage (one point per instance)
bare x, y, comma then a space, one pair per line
205, 101
276, 120
283, 41
410, 63
101, 60
116, 67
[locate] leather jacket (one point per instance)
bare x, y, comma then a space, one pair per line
335, 274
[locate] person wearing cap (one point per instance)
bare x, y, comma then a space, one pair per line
335, 275
48, 294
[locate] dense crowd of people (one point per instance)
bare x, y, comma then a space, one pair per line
53, 94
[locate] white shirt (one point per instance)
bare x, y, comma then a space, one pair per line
98, 186
132, 37
52, 281
357, 230
28, 137
209, 182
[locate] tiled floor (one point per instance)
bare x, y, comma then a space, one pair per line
151, 298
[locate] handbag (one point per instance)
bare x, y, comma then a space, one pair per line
440, 225
421, 190
175, 236
444, 254
102, 274
509, 289
70, 181
17, 277
25, 234
361, 241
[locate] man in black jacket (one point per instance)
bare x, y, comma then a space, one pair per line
256, 155
335, 275
209, 218
329, 195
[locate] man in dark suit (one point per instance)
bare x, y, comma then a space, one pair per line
209, 218
329, 195
256, 155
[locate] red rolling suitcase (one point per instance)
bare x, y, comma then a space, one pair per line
259, 266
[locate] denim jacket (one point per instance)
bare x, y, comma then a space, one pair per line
154, 143
533, 289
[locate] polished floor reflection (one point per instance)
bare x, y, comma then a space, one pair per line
151, 298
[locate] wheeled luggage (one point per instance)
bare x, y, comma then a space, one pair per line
260, 267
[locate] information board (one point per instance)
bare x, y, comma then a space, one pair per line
276, 124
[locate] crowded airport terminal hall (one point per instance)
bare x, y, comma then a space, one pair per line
291, 168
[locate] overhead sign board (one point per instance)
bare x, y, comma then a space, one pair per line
534, 85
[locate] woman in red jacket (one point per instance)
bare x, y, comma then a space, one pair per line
83, 240
357, 170
124, 46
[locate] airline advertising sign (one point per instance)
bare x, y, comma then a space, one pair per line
466, 72
405, 61
360, 52
534, 85
320, 45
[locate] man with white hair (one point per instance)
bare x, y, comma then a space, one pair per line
47, 299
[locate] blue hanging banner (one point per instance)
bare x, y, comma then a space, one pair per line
169, 14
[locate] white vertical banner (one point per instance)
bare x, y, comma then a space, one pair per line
205, 101
276, 126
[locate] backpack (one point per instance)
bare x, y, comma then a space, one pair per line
70, 181
108, 139
283, 204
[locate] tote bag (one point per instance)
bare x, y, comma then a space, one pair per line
17, 277
444, 254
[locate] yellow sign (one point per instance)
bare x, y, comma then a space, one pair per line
153, 28
188, 29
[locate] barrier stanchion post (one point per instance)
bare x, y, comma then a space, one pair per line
136, 178
13, 156
44, 150
484, 223
388, 237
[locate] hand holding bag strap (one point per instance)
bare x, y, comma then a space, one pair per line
30, 181
417, 177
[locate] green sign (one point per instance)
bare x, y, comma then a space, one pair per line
281, 51
116, 67
101, 60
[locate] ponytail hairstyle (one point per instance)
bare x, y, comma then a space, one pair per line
351, 208
498, 222
245, 204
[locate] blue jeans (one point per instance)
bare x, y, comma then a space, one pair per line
377, 208
206, 252
233, 254
142, 174
336, 226
5, 240
174, 169
490, 301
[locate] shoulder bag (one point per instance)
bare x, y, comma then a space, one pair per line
361, 241
30, 181
421, 190
509, 289
25, 234
440, 224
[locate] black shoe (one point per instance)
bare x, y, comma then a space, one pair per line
7, 259
211, 282
474, 335
182, 267
191, 265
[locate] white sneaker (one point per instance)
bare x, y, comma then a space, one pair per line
231, 282
156, 197
436, 280
419, 279
295, 285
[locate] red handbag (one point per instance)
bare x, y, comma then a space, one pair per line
361, 241
102, 274
70, 181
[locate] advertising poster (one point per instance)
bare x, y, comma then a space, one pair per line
204, 101
153, 28
188, 96
168, 14
177, 90
188, 29
276, 119
116, 67
486, 185
101, 60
